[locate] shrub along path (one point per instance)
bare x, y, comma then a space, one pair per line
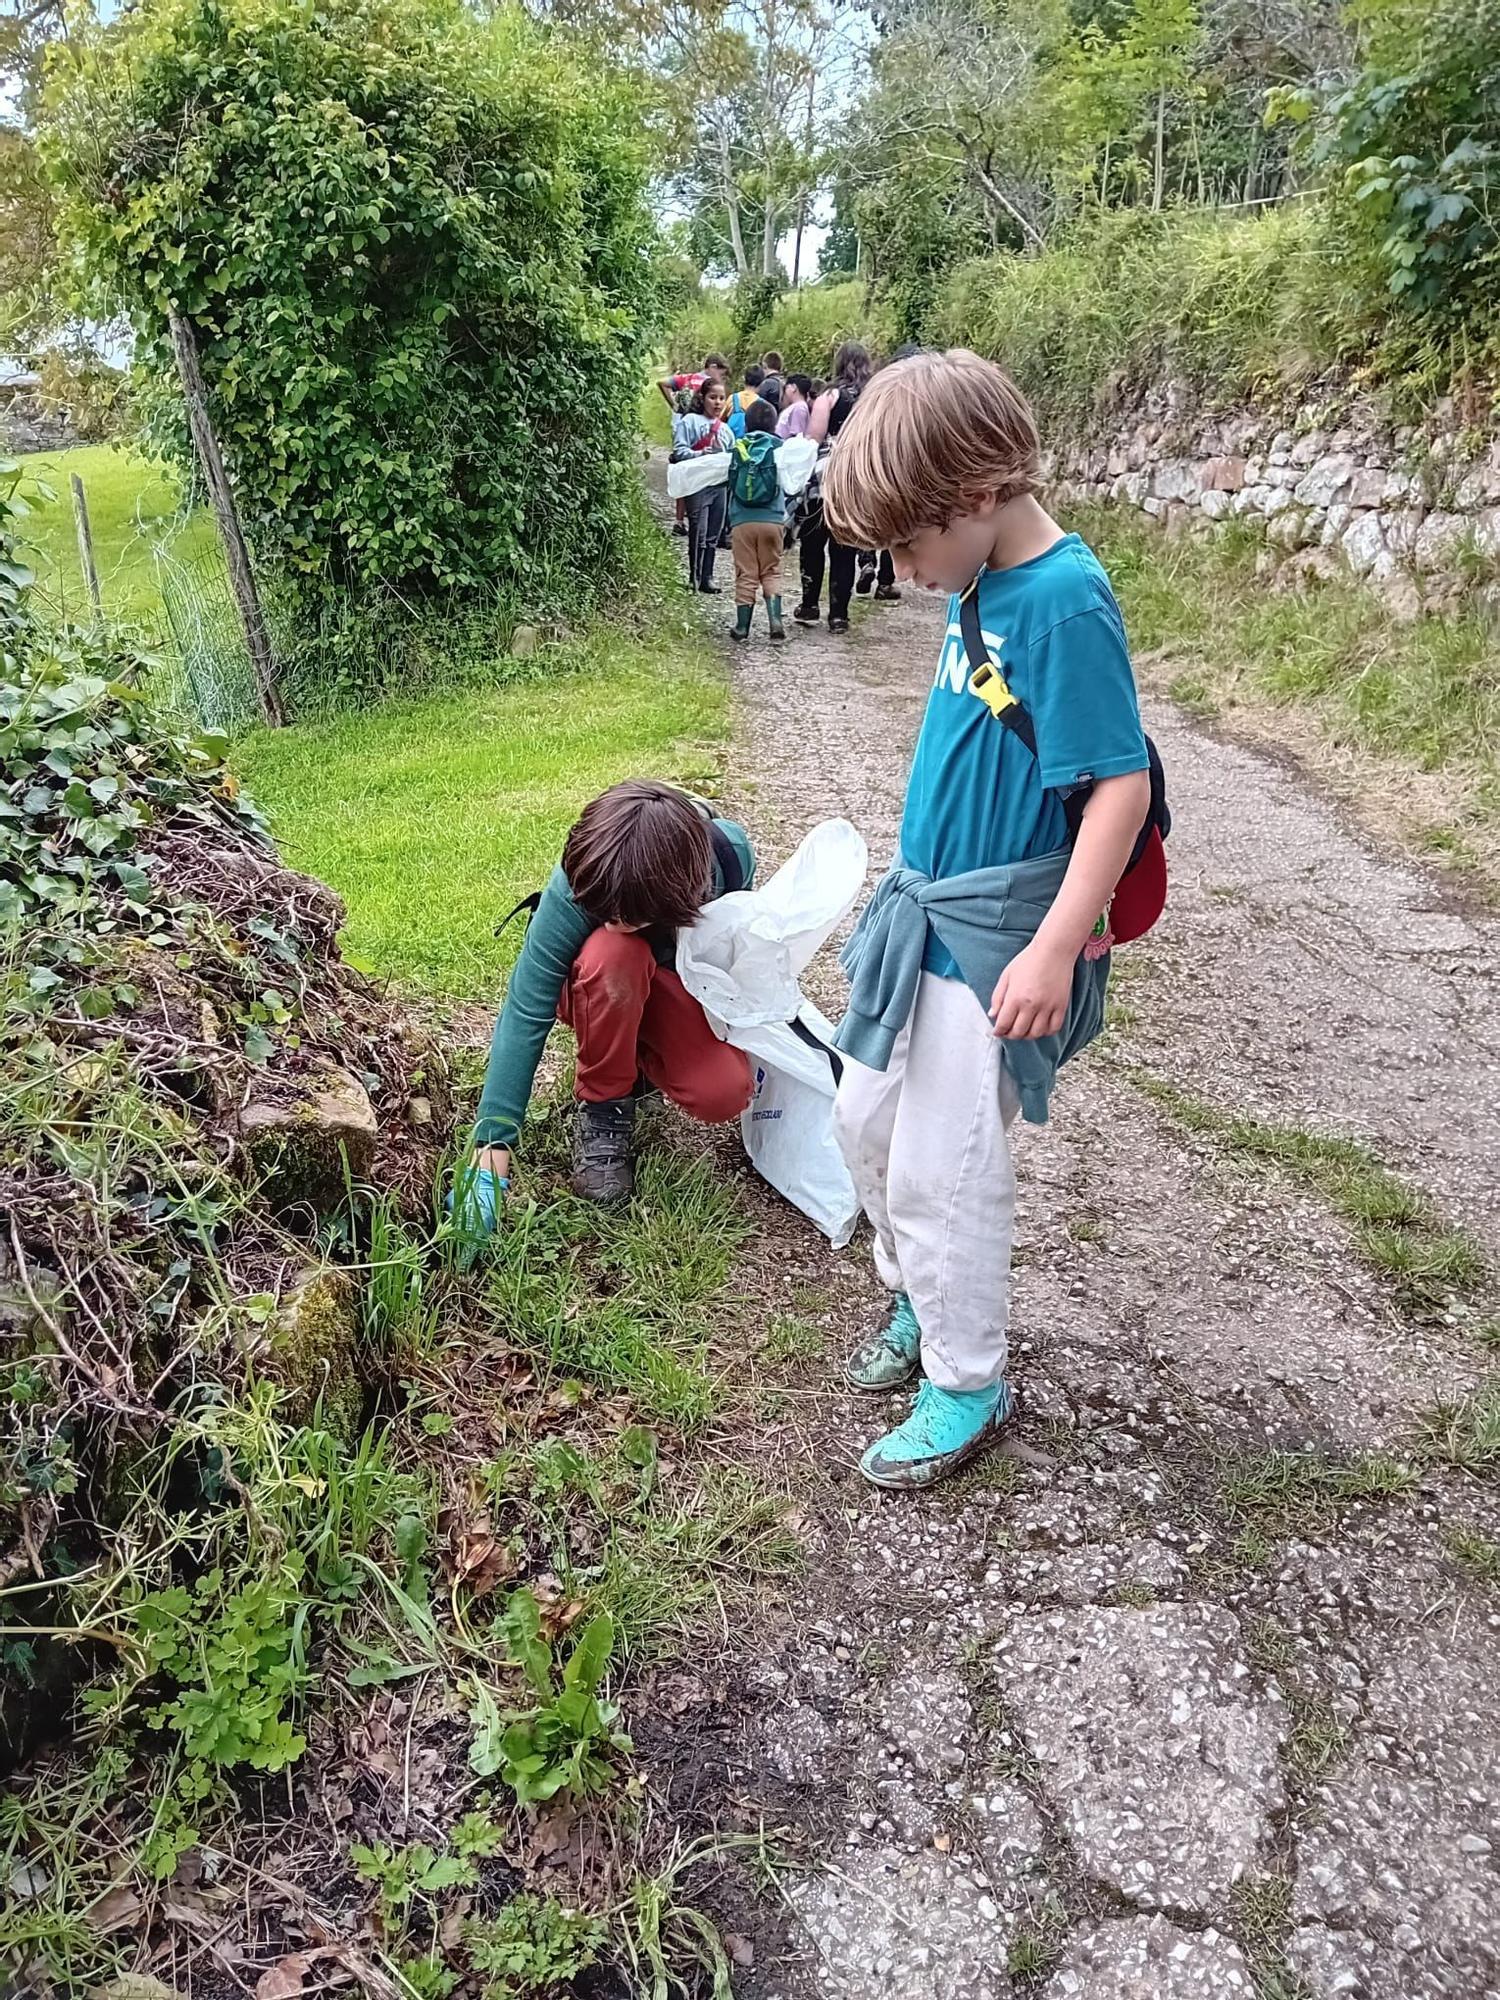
1189, 1690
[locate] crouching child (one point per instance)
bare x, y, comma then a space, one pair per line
599, 955
979, 965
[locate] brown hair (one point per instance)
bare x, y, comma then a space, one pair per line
930, 437
852, 366
640, 854
771, 360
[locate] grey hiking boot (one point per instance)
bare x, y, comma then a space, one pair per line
604, 1150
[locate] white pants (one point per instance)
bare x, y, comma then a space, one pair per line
927, 1144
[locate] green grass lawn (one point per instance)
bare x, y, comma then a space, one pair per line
432, 818
132, 503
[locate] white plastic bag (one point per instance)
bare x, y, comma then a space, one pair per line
742, 961
794, 464
696, 474
788, 1129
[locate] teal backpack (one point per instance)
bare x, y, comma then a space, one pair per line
754, 480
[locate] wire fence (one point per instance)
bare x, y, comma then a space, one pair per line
204, 657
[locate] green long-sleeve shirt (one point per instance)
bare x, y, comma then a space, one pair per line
556, 935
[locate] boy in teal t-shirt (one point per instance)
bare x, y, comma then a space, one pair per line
938, 464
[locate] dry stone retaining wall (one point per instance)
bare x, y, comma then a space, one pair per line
1415, 512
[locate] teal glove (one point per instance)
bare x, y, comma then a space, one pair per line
476, 1198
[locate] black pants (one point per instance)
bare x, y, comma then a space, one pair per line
886, 569
815, 545
705, 513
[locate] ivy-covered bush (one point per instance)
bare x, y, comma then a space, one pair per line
414, 244
1411, 151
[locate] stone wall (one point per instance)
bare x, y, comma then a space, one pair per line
27, 424
1414, 511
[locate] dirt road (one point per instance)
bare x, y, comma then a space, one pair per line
1189, 1691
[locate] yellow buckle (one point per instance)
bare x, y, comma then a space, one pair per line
991, 689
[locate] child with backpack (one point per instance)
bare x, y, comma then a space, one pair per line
600, 956
1030, 843
757, 514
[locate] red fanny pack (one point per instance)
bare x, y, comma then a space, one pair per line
1141, 893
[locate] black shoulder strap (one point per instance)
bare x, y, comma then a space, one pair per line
985, 677
530, 904
728, 857
804, 1033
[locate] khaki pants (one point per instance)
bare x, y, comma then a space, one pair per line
927, 1144
757, 560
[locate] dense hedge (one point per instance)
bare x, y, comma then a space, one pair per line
415, 245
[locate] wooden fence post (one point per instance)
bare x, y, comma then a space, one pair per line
220, 492
86, 546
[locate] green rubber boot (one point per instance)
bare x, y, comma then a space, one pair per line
743, 614
944, 1431
888, 1358
773, 612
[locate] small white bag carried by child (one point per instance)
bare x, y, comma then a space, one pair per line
742, 961
697, 473
794, 464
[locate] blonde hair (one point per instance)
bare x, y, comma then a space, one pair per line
929, 438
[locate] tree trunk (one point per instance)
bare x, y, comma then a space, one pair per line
995, 193
221, 493
768, 240
737, 236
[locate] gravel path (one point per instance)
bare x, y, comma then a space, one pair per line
1139, 1706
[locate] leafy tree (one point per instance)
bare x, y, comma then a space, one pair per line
28, 309
415, 247
1414, 145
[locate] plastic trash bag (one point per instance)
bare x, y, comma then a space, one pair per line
794, 464
788, 1129
742, 961
696, 474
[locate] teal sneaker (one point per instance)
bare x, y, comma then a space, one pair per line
888, 1358
945, 1429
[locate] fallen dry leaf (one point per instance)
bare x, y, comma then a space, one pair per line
114, 1909
943, 1842
283, 1980
741, 1950
553, 1830
677, 1693
559, 1611
450, 1931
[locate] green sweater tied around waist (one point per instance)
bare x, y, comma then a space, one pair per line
985, 918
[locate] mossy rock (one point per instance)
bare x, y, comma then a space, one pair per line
305, 1151
311, 1348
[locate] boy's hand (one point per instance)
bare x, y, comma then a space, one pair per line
1032, 995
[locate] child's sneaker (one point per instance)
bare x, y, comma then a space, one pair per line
945, 1429
889, 1357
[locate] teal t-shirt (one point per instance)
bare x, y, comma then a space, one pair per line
977, 798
